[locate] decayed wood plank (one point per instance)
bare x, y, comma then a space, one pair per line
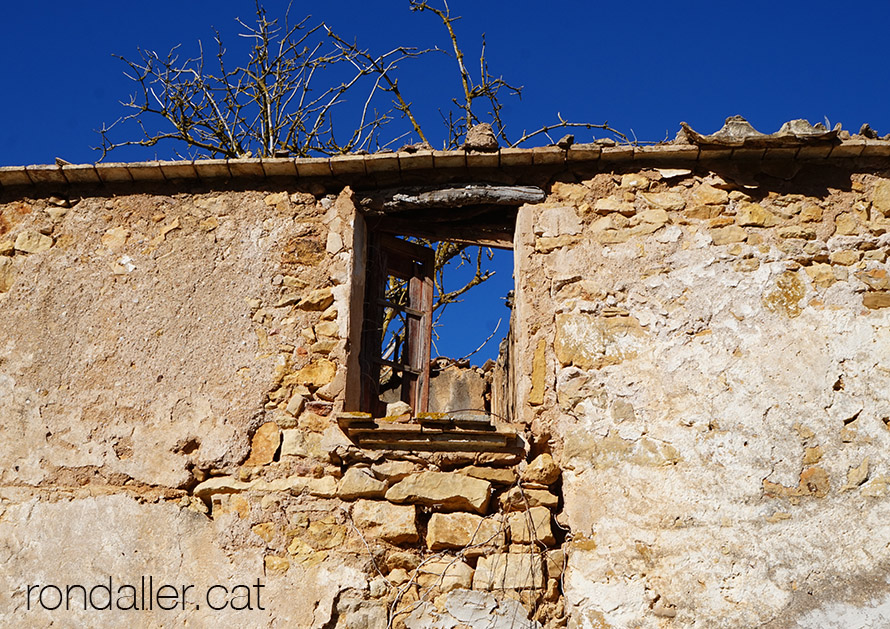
441, 447
464, 436
430, 433
472, 235
408, 431
449, 422
421, 424
401, 199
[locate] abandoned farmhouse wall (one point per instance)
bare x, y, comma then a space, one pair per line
708, 348
696, 384
172, 367
145, 339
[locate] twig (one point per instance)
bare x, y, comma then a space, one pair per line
490, 336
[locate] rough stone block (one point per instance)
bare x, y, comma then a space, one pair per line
393, 471
542, 470
359, 482
30, 241
301, 442
664, 200
446, 574
219, 485
507, 571
518, 499
448, 492
496, 476
728, 235
392, 523
532, 526
459, 530
588, 341
7, 274
557, 221
264, 444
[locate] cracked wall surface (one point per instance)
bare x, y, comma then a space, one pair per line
699, 357
146, 342
709, 350
172, 366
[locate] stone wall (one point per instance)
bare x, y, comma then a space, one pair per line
696, 367
172, 366
150, 342
707, 353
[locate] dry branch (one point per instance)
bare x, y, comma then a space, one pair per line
285, 99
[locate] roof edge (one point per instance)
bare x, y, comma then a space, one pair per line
346, 167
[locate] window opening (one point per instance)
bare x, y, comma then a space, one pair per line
473, 326
395, 360
406, 358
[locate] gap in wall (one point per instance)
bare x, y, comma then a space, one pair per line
466, 325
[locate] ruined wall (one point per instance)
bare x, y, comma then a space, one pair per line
172, 368
701, 352
150, 342
708, 352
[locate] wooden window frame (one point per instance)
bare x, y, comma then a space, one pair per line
389, 256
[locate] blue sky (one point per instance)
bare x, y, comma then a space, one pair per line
643, 66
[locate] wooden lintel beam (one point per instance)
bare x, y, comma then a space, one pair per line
402, 199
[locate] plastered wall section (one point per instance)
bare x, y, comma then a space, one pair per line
150, 342
709, 355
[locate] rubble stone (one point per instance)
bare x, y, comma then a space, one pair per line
880, 199
508, 571
608, 205
481, 137
358, 482
275, 564
449, 492
219, 485
494, 475
707, 194
542, 470
7, 274
459, 530
517, 499
754, 215
665, 200
393, 523
446, 574
876, 300
318, 299
30, 241
530, 527
115, 238
393, 471
728, 235
264, 444
316, 374
554, 562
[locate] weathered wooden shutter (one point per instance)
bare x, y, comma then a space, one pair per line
390, 257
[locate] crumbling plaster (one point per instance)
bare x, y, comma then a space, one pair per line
719, 404
700, 345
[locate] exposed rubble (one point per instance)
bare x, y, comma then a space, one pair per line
687, 426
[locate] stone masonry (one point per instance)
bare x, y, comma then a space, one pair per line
697, 374
713, 372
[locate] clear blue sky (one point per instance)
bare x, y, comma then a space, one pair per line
643, 66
